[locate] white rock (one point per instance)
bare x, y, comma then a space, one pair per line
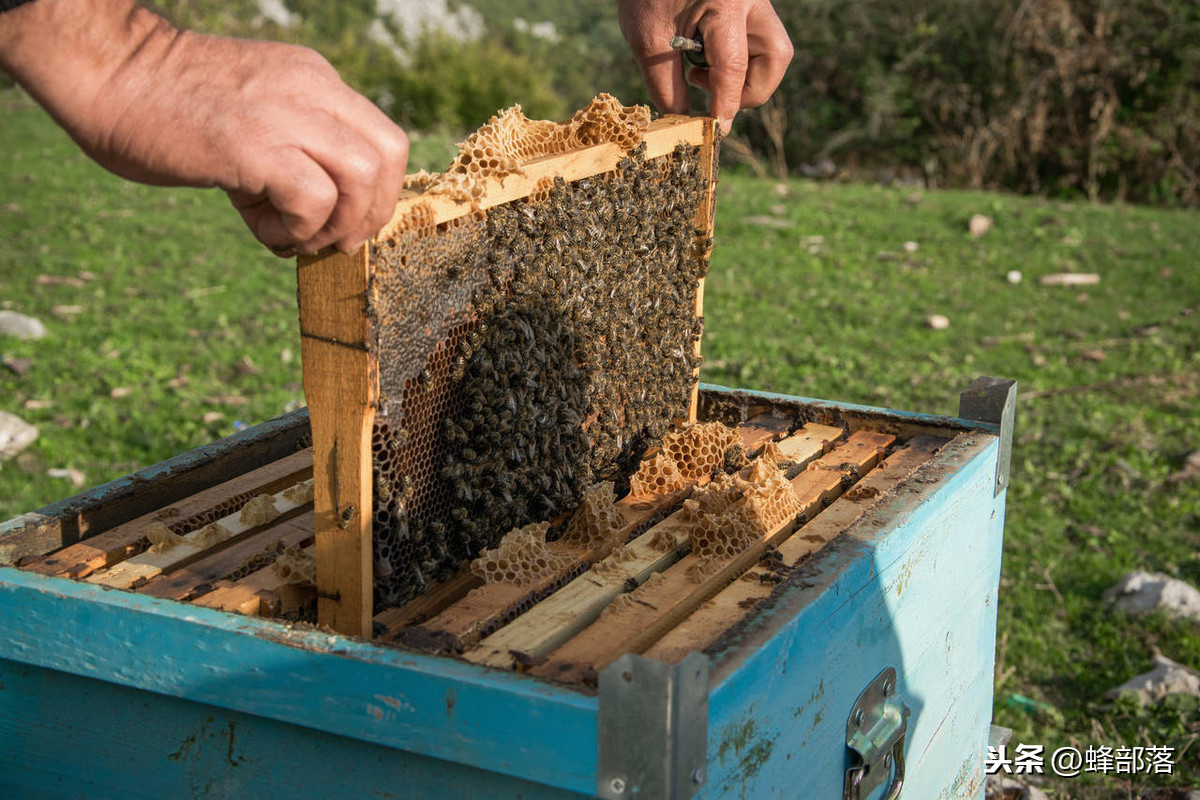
1070, 279
1166, 678
979, 224
911, 247
21, 325
764, 221
71, 474
1143, 592
1013, 276
938, 322
15, 435
275, 11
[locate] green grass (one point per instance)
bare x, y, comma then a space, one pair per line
191, 315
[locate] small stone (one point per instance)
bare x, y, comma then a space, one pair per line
117, 392
979, 225
1014, 276
211, 417
1191, 468
1003, 787
59, 280
18, 366
1143, 592
1094, 355
20, 325
76, 477
911, 247
1166, 678
15, 435
938, 322
764, 221
1070, 279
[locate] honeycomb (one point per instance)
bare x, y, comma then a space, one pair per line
162, 538
597, 521
699, 450
510, 139
656, 475
688, 455
731, 513
258, 511
530, 351
771, 502
613, 561
522, 558
299, 494
295, 566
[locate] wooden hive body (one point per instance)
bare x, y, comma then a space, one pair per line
215, 704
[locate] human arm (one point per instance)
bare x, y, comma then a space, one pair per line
746, 46
307, 161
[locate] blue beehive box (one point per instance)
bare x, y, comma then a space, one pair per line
871, 664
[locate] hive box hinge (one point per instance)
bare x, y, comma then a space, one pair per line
993, 400
875, 734
653, 728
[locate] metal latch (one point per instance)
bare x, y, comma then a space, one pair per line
875, 734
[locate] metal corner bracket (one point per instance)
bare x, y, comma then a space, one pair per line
653, 728
993, 400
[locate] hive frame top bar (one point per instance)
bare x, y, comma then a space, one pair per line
660, 138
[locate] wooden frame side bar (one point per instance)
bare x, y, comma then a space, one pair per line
341, 384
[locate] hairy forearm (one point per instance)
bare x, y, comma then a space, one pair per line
69, 54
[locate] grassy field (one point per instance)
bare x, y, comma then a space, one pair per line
169, 327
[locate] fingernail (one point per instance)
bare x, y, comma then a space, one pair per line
726, 126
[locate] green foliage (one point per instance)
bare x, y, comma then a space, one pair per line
1062, 96
459, 85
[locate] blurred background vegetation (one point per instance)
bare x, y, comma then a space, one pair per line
1096, 98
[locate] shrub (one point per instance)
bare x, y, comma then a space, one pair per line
1096, 96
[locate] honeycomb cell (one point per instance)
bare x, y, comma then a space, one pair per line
294, 566
657, 475
522, 558
597, 521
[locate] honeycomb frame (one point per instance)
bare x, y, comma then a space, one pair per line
342, 345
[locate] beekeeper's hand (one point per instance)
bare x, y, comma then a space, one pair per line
745, 44
307, 161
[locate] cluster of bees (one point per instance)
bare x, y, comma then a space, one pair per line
527, 354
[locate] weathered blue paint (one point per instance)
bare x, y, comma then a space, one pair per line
914, 587
103, 691
496, 721
62, 736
